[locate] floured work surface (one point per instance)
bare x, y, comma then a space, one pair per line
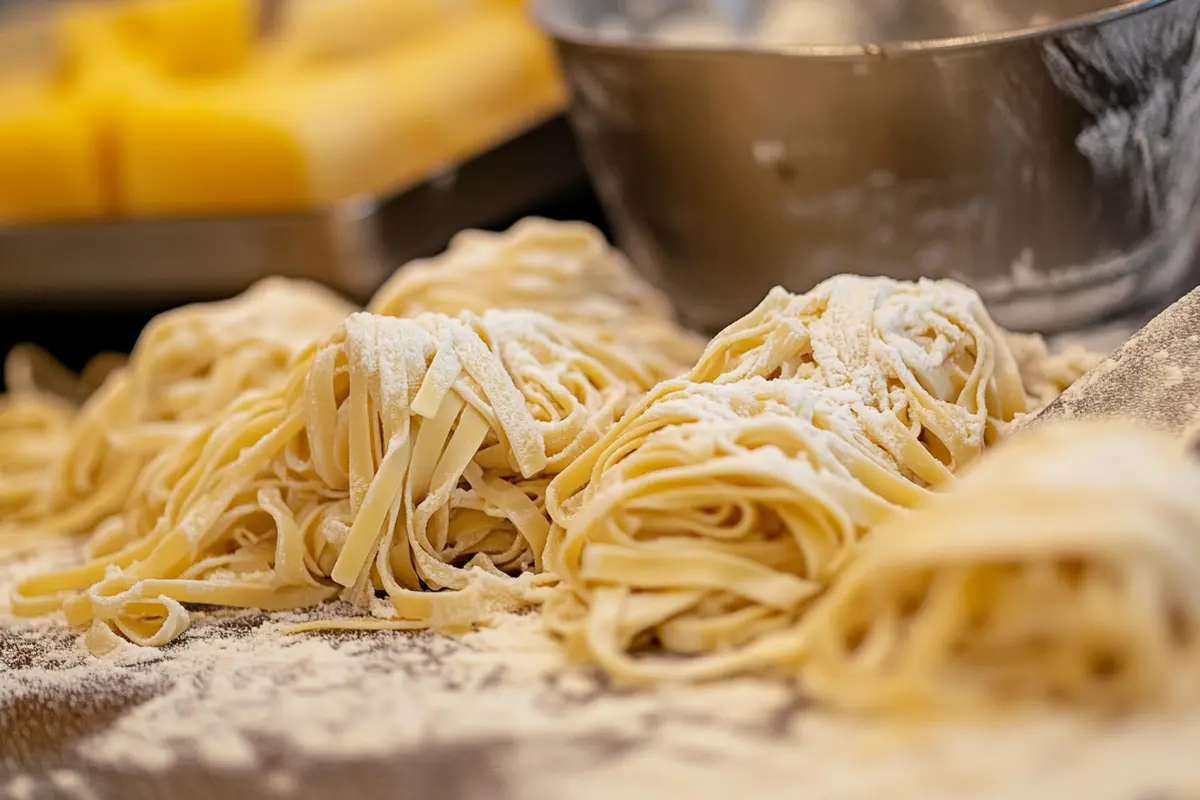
235, 708
1153, 378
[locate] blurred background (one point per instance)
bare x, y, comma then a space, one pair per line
157, 152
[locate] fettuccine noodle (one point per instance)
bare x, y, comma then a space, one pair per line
1064, 567
404, 456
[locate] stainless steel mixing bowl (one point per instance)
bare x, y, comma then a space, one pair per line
1047, 153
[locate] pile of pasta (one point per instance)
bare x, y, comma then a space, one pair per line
793, 507
927, 374
155, 450
70, 468
711, 516
35, 425
706, 522
72, 450
521, 421
403, 456
1064, 567
566, 270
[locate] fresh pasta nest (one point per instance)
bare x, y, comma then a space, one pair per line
1064, 567
923, 367
565, 270
708, 521
403, 456
187, 366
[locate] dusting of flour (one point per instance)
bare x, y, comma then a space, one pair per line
237, 695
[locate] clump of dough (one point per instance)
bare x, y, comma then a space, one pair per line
1046, 375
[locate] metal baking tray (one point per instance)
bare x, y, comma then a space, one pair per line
352, 246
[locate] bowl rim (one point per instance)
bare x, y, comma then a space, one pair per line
540, 14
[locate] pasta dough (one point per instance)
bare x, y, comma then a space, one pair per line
1065, 566
403, 456
187, 366
563, 269
710, 516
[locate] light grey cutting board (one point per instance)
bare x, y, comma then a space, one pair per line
1154, 377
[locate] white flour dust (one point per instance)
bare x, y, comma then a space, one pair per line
235, 691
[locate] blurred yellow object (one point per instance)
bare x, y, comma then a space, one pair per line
194, 37
102, 68
315, 31
281, 140
48, 165
172, 107
496, 74
264, 143
86, 34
